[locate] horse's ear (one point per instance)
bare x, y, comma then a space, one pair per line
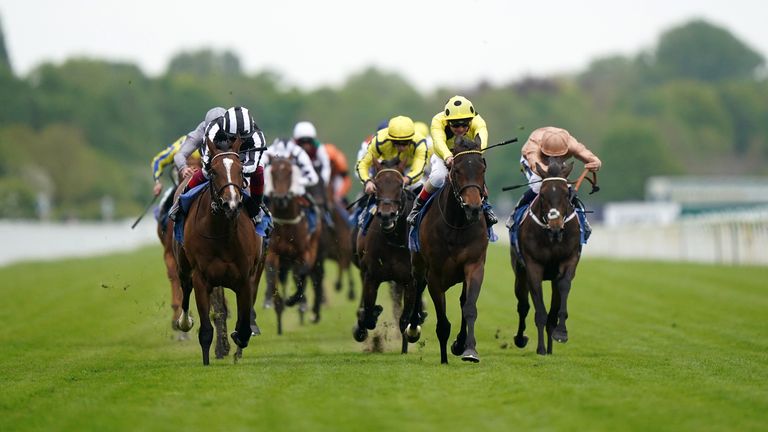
478, 141
236, 146
540, 171
211, 148
567, 170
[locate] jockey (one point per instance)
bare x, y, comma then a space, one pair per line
398, 139
421, 128
555, 142
364, 145
223, 131
164, 158
340, 181
290, 150
305, 136
459, 118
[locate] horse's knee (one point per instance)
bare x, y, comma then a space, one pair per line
205, 336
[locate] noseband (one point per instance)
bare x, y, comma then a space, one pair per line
216, 202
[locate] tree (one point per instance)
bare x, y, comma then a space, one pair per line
5, 61
205, 63
703, 51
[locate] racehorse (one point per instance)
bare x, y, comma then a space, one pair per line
550, 249
383, 255
291, 246
453, 237
221, 248
335, 245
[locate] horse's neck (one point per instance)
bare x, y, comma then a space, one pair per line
217, 223
292, 210
452, 210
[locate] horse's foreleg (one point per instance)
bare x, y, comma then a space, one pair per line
523, 306
563, 284
317, 275
540, 316
443, 326
185, 321
242, 333
458, 346
272, 293
473, 283
202, 298
369, 311
219, 306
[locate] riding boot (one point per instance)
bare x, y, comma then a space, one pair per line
490, 216
526, 199
418, 205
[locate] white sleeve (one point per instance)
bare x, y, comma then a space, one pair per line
325, 164
192, 142
308, 173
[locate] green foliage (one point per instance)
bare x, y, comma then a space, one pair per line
696, 92
632, 151
87, 345
700, 50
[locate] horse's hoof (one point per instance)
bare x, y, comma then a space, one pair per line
359, 333
470, 355
236, 339
174, 325
456, 349
560, 335
413, 334
521, 341
294, 299
185, 325
255, 330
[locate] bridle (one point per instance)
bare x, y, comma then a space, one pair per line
457, 192
216, 200
552, 214
400, 202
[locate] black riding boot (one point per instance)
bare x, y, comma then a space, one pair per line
490, 216
417, 206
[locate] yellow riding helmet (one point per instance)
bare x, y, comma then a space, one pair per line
421, 128
459, 107
400, 128
554, 143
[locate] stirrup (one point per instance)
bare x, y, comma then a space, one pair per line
414, 213
173, 211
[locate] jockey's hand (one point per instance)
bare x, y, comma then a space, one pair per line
370, 187
592, 166
449, 161
406, 181
187, 172
157, 188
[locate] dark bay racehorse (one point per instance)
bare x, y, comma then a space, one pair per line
221, 248
383, 255
454, 239
291, 246
550, 250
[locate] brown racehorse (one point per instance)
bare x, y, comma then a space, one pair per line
454, 239
335, 244
383, 255
549, 244
221, 248
291, 246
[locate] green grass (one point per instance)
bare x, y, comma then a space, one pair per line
86, 345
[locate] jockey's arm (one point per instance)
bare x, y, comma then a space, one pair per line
479, 127
308, 174
437, 130
325, 161
531, 151
582, 153
364, 165
419, 161
192, 142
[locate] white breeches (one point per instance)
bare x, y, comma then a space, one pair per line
437, 174
531, 176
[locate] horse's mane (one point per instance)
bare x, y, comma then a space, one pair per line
462, 143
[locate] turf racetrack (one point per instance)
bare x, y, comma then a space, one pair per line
86, 345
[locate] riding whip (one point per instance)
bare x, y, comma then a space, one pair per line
509, 141
154, 198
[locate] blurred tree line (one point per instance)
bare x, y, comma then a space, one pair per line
74, 133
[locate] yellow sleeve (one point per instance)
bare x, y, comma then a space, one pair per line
479, 128
437, 130
165, 157
419, 160
364, 165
